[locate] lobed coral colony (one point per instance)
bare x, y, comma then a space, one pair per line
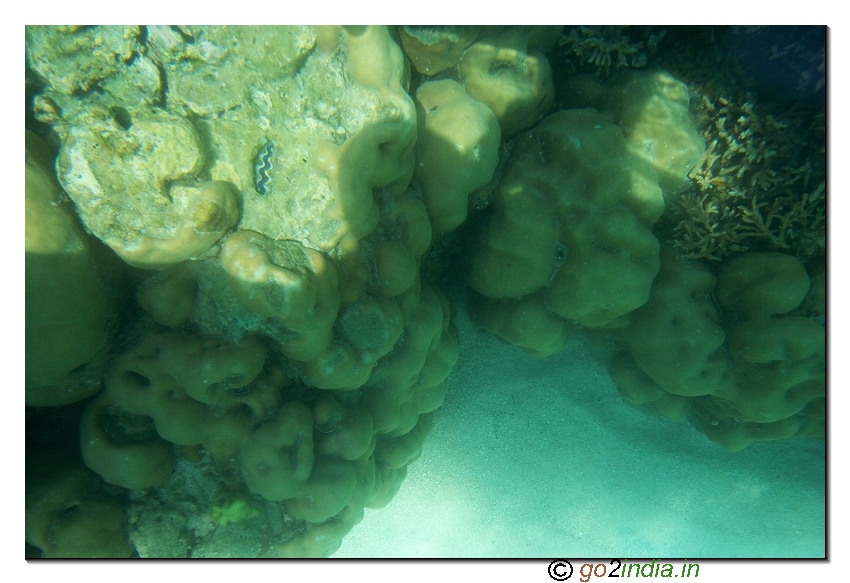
235, 237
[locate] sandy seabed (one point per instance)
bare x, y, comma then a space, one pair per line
541, 458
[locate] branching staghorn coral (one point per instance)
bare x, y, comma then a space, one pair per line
758, 186
609, 48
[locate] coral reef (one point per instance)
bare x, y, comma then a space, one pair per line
205, 134
567, 184
567, 240
747, 365
433, 49
456, 152
283, 325
608, 48
283, 203
651, 108
506, 71
759, 185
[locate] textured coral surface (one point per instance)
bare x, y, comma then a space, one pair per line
241, 244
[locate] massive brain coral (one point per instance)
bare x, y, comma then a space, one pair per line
652, 109
285, 338
568, 226
567, 240
506, 70
748, 366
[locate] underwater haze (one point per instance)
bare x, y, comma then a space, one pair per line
539, 458
426, 291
